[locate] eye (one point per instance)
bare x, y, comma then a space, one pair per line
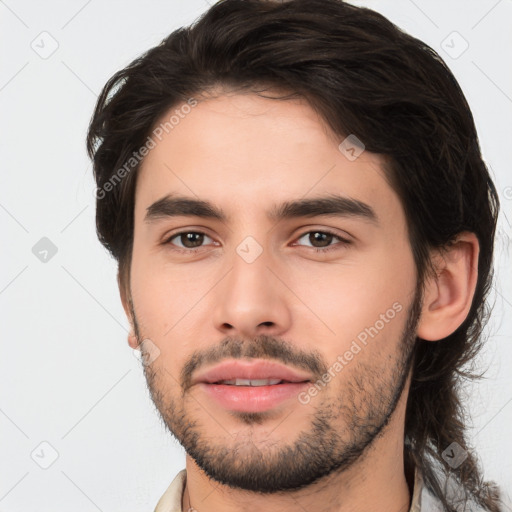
323, 238
189, 241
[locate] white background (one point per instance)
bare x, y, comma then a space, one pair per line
68, 375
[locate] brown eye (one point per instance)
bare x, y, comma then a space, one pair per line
191, 240
188, 240
322, 240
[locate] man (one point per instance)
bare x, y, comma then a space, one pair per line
304, 227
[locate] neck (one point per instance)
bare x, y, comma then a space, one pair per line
383, 488
375, 482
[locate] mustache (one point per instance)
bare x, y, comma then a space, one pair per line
261, 347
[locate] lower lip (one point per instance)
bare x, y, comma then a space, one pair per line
252, 398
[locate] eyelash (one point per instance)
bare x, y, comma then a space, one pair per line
343, 241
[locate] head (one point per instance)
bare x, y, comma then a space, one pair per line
257, 128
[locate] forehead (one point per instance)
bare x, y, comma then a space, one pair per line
244, 152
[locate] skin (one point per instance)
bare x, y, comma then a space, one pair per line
244, 153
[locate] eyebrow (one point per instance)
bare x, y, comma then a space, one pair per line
331, 205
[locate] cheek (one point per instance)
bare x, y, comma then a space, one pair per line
170, 308
344, 300
162, 293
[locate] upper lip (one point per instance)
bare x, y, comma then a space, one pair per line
256, 369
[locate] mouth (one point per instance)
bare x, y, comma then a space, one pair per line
251, 372
251, 386
254, 382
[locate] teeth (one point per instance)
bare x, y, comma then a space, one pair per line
251, 382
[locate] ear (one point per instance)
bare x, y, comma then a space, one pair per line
126, 301
448, 295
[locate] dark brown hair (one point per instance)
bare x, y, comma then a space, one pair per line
366, 77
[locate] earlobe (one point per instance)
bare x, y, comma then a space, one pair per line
132, 341
449, 294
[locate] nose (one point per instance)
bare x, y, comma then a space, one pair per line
251, 300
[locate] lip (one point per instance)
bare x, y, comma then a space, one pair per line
254, 369
251, 398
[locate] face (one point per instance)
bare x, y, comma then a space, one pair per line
263, 251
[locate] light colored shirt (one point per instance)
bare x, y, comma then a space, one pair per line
422, 500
